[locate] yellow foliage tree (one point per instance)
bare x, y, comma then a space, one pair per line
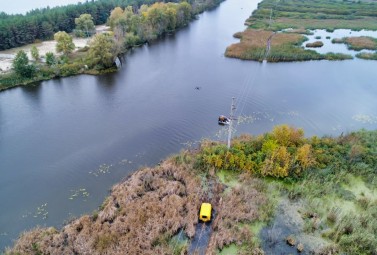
277, 164
305, 156
288, 136
115, 15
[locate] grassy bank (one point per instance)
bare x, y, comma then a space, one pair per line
73, 64
301, 16
322, 189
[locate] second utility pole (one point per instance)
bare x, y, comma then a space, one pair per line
232, 108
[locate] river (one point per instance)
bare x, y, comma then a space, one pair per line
65, 142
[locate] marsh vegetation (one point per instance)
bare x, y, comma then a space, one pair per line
290, 16
358, 43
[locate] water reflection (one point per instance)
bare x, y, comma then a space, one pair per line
33, 95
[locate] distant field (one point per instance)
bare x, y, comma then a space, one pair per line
302, 16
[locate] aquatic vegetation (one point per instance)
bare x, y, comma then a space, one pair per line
125, 162
105, 169
283, 47
40, 212
337, 56
361, 43
367, 56
364, 118
316, 44
358, 43
79, 193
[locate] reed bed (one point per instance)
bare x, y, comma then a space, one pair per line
317, 44
139, 217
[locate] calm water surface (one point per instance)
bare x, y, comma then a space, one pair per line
65, 142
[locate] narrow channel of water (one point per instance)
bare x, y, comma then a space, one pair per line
65, 142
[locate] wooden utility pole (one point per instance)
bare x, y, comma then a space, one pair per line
232, 108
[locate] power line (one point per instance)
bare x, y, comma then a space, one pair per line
232, 108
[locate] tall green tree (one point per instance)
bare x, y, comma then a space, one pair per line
34, 53
50, 59
21, 65
64, 43
102, 50
84, 25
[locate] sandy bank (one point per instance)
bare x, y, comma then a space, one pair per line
6, 56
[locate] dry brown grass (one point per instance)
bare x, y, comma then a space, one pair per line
316, 44
139, 217
238, 205
361, 42
285, 38
253, 40
250, 39
144, 211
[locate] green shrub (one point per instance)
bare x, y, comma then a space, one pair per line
69, 69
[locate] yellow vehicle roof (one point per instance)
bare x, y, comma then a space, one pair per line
205, 210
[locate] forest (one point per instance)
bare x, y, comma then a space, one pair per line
42, 24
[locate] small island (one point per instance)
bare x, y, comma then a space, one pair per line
279, 189
277, 29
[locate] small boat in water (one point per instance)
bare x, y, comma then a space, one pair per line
223, 120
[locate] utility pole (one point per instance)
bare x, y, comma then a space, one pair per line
269, 24
232, 108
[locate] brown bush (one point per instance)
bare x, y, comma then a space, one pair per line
240, 204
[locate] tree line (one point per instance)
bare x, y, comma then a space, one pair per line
42, 24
